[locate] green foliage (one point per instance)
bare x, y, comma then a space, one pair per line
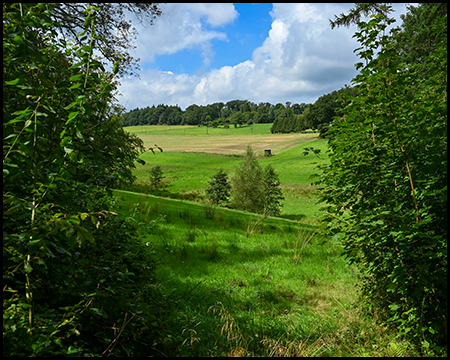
321, 114
247, 184
386, 185
256, 189
117, 33
156, 176
72, 272
218, 190
286, 121
273, 195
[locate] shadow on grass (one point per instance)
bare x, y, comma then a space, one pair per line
295, 217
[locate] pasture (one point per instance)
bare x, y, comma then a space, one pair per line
234, 283
189, 161
231, 141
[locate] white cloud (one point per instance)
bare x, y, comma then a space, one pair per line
180, 27
300, 60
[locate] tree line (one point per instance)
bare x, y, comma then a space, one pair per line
235, 112
286, 118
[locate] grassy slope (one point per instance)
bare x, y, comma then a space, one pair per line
237, 284
270, 276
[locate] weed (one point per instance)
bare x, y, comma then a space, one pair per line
230, 329
251, 228
209, 211
189, 329
190, 236
303, 238
286, 347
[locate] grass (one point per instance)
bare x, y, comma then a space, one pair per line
218, 140
234, 283
187, 174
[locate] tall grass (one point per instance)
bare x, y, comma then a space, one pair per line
237, 284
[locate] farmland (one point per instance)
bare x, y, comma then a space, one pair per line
237, 284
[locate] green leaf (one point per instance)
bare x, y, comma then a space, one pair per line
18, 40
33, 243
27, 267
75, 86
76, 77
73, 115
83, 216
12, 82
116, 67
65, 141
83, 234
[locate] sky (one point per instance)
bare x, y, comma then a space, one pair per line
202, 53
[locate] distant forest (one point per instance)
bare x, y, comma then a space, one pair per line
286, 118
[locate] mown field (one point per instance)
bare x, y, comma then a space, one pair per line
234, 283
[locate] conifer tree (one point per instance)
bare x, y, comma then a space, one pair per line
273, 194
218, 190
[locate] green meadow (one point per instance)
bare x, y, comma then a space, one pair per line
236, 284
187, 173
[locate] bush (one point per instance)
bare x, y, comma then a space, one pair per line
386, 184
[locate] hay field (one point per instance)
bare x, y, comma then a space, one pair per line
218, 141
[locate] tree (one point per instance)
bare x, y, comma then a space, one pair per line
354, 14
218, 190
247, 187
418, 38
386, 184
273, 194
321, 114
116, 33
254, 189
70, 266
156, 176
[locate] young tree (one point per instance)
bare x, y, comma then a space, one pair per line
218, 190
156, 176
273, 195
247, 187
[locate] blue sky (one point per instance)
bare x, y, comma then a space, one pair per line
201, 53
244, 34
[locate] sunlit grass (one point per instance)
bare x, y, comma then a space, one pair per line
239, 284
236, 284
187, 175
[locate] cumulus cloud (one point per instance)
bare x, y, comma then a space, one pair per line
300, 60
183, 26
